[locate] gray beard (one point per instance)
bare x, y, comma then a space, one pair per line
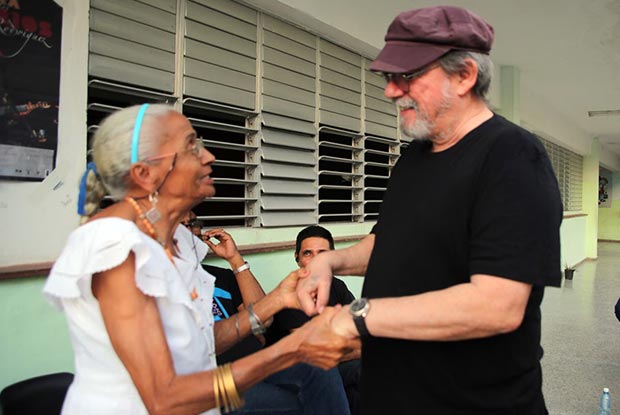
421, 128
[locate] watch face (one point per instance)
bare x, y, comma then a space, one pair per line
358, 305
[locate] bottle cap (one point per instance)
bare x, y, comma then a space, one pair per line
605, 390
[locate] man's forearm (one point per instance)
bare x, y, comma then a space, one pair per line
354, 259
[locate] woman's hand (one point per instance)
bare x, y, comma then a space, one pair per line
225, 248
287, 291
320, 346
342, 324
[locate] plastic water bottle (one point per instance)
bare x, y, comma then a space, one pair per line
604, 404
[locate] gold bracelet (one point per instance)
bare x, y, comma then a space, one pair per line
216, 388
230, 388
223, 390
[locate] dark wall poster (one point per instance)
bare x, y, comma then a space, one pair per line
30, 39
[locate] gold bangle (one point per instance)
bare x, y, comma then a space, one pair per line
223, 390
230, 388
216, 388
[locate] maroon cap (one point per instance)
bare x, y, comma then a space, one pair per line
418, 37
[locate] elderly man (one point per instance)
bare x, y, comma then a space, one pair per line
466, 241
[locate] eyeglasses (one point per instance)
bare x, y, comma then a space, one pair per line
196, 148
403, 80
192, 223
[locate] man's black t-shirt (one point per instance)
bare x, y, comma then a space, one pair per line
488, 205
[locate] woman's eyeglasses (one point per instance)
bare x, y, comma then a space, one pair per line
195, 149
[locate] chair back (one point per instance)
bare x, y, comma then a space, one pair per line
41, 395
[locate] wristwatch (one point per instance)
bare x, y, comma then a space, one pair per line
359, 310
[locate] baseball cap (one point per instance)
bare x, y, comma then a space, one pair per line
420, 36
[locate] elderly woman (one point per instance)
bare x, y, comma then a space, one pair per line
137, 301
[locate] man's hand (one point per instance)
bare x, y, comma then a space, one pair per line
225, 248
314, 283
286, 291
316, 277
320, 346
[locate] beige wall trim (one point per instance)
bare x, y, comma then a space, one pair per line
43, 268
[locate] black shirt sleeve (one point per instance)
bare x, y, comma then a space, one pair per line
517, 214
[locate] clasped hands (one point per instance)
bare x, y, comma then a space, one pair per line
327, 339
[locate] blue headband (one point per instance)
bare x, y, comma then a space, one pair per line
82, 195
136, 133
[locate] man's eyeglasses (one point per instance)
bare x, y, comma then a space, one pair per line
402, 80
192, 223
195, 149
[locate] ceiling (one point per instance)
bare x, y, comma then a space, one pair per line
567, 52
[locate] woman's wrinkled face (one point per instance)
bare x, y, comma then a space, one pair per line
184, 160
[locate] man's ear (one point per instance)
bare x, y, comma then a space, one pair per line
297, 257
467, 77
141, 175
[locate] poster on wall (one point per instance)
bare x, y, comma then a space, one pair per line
30, 39
604, 190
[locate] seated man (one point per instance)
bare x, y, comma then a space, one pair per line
300, 389
310, 242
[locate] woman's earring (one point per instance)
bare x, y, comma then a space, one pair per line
153, 215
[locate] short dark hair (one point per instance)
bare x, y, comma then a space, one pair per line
314, 231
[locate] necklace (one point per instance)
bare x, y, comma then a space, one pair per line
148, 225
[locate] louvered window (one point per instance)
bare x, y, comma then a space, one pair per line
231, 135
105, 97
381, 149
288, 160
300, 129
380, 112
220, 52
341, 87
340, 176
133, 43
568, 168
380, 155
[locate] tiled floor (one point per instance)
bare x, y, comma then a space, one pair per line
581, 337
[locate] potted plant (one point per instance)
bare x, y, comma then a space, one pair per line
568, 272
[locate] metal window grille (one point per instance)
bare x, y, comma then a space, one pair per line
301, 130
340, 175
568, 168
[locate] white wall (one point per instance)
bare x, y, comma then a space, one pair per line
573, 240
36, 217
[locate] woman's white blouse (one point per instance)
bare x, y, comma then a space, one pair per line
102, 385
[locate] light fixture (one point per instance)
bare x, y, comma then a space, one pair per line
603, 113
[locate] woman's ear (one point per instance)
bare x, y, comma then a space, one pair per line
141, 174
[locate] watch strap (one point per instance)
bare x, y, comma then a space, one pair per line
360, 324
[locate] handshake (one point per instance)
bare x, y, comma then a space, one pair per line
326, 339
